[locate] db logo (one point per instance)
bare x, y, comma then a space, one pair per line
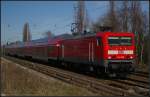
120, 52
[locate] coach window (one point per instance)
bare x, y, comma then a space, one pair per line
98, 41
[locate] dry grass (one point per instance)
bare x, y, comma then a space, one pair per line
17, 81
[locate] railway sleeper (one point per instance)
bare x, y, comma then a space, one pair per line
134, 83
106, 89
61, 77
120, 91
64, 76
140, 79
80, 81
101, 92
120, 85
142, 91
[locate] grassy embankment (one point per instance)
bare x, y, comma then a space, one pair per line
19, 81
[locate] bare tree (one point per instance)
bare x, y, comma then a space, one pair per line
113, 16
109, 19
135, 15
124, 16
137, 25
81, 13
95, 27
145, 47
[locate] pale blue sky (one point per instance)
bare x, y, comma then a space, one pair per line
43, 16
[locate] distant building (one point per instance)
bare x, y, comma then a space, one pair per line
26, 33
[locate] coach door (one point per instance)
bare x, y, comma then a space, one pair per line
99, 48
62, 51
91, 51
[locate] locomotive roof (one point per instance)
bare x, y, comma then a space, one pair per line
81, 36
115, 33
91, 34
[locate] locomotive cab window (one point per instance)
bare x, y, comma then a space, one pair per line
119, 40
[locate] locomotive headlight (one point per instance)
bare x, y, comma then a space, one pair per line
112, 51
128, 52
131, 57
109, 57
57, 45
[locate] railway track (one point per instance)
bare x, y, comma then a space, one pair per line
143, 74
137, 78
104, 87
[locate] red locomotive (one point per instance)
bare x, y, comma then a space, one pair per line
108, 52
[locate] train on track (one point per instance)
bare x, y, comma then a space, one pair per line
107, 52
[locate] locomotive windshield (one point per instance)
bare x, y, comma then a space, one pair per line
119, 40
